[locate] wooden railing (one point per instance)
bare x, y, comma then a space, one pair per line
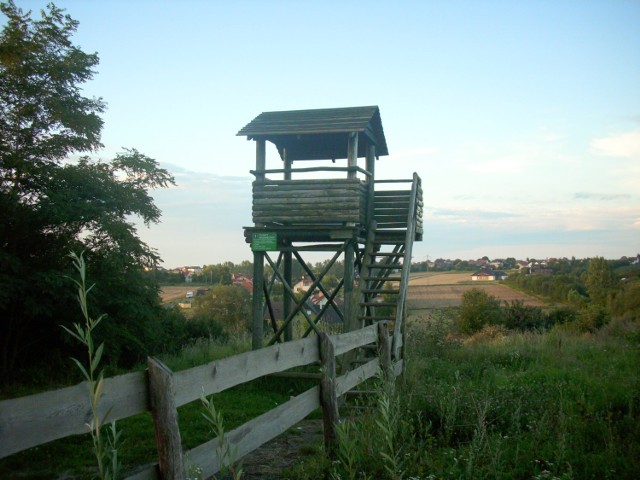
37, 419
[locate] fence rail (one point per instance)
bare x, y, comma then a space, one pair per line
37, 419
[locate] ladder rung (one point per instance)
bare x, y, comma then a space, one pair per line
378, 304
388, 254
377, 317
394, 266
386, 279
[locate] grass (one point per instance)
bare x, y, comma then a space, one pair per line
498, 404
73, 457
552, 405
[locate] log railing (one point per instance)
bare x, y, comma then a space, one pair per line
37, 419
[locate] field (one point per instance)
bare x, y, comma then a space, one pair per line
438, 290
174, 294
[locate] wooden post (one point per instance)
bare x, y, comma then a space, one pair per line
287, 164
352, 154
287, 264
286, 299
384, 352
328, 395
257, 329
165, 420
371, 168
257, 333
349, 311
261, 158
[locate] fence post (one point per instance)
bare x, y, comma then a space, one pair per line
328, 395
384, 351
165, 420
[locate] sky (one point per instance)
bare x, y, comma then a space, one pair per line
521, 118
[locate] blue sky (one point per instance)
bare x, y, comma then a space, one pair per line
522, 118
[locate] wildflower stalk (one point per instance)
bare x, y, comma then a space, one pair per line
226, 455
105, 450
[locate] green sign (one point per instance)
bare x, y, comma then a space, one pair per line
264, 242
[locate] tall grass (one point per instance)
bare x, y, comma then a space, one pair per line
499, 404
105, 447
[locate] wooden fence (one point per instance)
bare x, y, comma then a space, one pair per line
37, 419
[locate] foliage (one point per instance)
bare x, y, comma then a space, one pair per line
227, 456
518, 316
478, 309
627, 300
52, 204
600, 280
105, 450
229, 305
521, 405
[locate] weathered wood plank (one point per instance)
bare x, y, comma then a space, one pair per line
356, 376
328, 396
391, 218
300, 194
320, 208
309, 219
311, 182
307, 199
36, 419
165, 421
348, 341
384, 351
229, 372
258, 431
398, 367
393, 193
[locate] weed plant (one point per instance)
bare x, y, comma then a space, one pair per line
501, 404
227, 456
105, 447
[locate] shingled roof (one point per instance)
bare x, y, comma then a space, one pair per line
319, 134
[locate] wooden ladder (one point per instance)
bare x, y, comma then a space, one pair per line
386, 263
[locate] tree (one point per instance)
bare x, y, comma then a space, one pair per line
228, 305
478, 309
600, 280
51, 205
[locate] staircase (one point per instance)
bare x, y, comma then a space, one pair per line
386, 262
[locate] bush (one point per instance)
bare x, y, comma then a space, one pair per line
478, 309
518, 316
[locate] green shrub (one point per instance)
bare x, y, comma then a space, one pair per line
518, 316
478, 309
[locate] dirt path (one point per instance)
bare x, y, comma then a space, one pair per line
283, 452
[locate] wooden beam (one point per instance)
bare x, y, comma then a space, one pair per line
165, 420
328, 395
371, 168
257, 329
352, 154
384, 352
261, 158
286, 300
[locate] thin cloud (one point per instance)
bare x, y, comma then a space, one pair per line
601, 196
623, 145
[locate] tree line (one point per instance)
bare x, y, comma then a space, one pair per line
585, 294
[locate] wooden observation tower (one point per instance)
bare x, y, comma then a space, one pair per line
343, 209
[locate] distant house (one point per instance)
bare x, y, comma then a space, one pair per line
330, 316
242, 280
488, 275
303, 284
